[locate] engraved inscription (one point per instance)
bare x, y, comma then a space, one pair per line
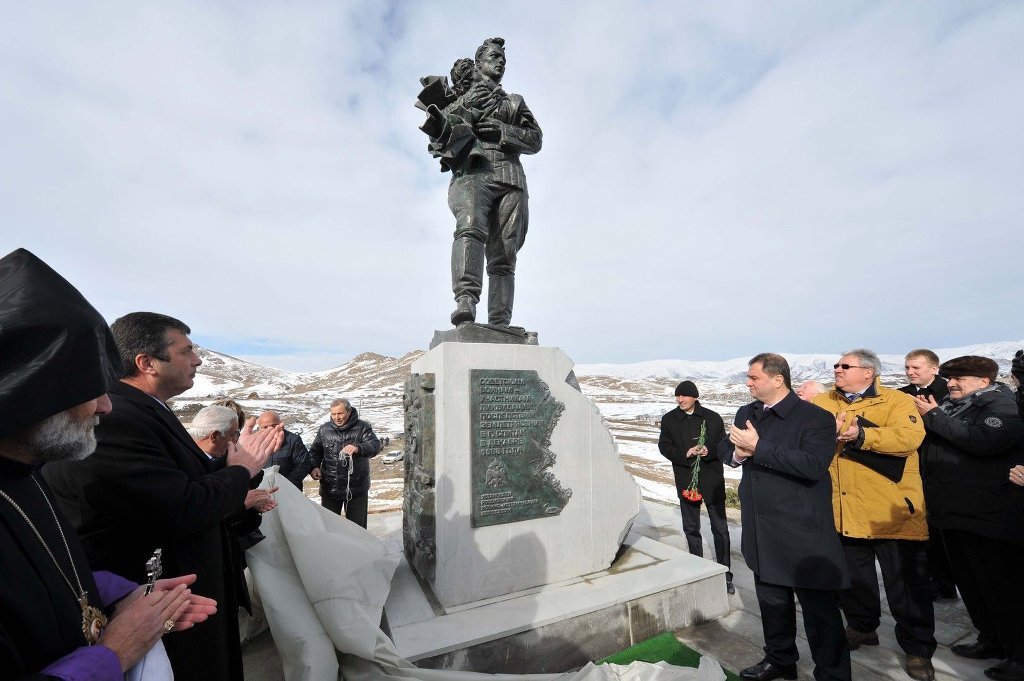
513, 416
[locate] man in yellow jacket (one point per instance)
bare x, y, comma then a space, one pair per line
878, 502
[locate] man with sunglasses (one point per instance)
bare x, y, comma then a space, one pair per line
878, 503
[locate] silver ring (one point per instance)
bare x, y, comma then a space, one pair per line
168, 625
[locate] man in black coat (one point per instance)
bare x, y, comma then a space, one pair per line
341, 454
922, 369
292, 459
785, 446
57, 360
149, 486
975, 438
681, 443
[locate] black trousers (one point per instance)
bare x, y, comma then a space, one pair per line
988, 574
939, 569
905, 575
822, 623
355, 508
719, 530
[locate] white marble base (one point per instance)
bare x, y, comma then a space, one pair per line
474, 563
651, 588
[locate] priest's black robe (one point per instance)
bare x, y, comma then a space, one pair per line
41, 620
149, 486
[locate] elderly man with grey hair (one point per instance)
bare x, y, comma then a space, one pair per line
214, 428
341, 456
808, 390
878, 502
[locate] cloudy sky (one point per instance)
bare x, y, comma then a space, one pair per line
717, 179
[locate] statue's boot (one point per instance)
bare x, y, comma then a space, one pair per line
467, 278
501, 290
465, 311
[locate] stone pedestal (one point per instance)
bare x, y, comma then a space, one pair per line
512, 479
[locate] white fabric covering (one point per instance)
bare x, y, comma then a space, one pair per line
324, 580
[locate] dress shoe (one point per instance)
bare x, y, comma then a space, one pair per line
766, 671
979, 650
1007, 670
856, 638
730, 588
943, 594
920, 668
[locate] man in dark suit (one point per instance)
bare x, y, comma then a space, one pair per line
922, 369
58, 617
785, 446
149, 486
681, 443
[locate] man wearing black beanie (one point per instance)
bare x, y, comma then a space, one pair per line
681, 443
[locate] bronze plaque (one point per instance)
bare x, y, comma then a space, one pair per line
513, 415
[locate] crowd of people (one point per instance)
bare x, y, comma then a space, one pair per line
103, 491
926, 480
127, 493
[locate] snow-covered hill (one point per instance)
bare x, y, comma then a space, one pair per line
631, 397
803, 366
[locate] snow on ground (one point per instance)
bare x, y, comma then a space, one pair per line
209, 385
658, 491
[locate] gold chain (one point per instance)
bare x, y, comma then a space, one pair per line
93, 620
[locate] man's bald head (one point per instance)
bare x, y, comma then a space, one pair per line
268, 419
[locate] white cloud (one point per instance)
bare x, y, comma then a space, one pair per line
716, 179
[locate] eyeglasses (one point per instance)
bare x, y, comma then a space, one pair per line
848, 366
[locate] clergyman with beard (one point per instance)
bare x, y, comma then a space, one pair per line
149, 486
60, 619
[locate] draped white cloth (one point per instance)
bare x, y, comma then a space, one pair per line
324, 580
155, 666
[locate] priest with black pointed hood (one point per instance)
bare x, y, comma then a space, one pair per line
60, 619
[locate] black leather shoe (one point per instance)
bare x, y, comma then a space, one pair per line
943, 594
856, 638
730, 588
979, 650
766, 671
920, 668
1007, 670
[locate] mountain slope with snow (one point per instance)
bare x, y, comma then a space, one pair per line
631, 397
803, 366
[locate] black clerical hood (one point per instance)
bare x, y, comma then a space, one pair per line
56, 351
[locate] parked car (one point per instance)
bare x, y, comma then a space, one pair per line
392, 457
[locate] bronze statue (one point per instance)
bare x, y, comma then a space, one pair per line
478, 131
